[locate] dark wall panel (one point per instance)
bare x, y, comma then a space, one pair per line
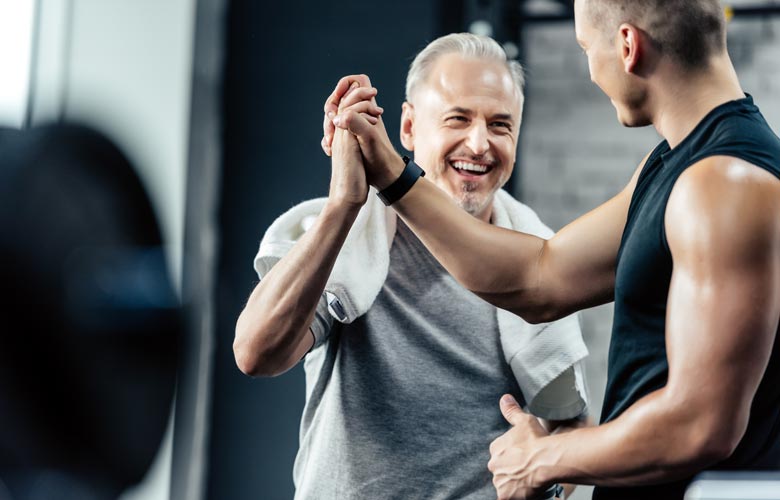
283, 59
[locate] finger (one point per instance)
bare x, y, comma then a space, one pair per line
362, 79
350, 90
343, 88
326, 146
511, 410
327, 126
357, 95
352, 121
329, 130
495, 447
327, 134
333, 100
365, 107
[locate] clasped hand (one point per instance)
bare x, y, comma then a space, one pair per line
355, 137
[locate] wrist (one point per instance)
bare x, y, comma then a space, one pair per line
342, 208
545, 470
394, 168
398, 189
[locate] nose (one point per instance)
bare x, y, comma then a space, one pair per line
477, 138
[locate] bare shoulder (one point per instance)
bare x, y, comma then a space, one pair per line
723, 203
635, 176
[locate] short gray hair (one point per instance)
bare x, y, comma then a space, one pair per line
466, 45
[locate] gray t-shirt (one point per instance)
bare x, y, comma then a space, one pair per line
403, 402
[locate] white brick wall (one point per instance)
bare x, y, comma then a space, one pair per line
574, 155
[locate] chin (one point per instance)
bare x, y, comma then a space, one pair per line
632, 111
474, 205
633, 120
474, 198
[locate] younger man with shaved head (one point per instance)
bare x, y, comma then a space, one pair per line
689, 251
403, 365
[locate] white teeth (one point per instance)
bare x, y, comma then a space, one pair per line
472, 167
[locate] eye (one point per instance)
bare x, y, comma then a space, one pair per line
457, 121
505, 125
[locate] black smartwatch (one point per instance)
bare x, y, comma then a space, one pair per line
403, 184
554, 491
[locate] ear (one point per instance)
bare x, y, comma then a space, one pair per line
407, 126
631, 47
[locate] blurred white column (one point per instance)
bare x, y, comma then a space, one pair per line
16, 39
123, 67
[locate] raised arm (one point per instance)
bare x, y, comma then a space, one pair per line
538, 280
722, 320
273, 331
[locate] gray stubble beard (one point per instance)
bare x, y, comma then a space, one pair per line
468, 200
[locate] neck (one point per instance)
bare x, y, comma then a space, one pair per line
682, 100
487, 214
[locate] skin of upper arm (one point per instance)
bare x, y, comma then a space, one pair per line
303, 347
584, 254
724, 299
303, 344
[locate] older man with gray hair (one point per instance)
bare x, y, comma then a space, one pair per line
403, 365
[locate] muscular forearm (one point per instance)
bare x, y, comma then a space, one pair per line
656, 440
562, 427
501, 266
276, 319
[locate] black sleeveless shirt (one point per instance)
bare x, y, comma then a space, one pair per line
637, 353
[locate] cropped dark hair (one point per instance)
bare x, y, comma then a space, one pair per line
688, 31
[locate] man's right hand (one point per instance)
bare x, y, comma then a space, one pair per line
382, 163
348, 184
352, 111
350, 90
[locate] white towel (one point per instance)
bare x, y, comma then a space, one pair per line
362, 265
537, 354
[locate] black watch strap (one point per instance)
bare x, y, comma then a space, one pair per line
554, 491
403, 184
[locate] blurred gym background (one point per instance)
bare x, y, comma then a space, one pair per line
218, 105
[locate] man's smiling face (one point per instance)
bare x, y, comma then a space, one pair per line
463, 127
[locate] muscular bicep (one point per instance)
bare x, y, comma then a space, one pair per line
579, 262
724, 297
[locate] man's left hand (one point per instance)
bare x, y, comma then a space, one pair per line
512, 454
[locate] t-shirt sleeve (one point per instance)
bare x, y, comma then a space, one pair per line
322, 324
